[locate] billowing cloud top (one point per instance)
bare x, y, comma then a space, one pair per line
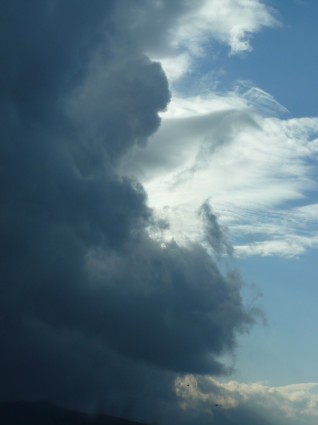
97, 312
93, 309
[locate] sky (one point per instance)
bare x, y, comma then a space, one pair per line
159, 208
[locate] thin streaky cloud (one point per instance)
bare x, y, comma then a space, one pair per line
256, 170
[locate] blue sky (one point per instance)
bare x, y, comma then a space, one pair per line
284, 350
283, 59
159, 208
283, 62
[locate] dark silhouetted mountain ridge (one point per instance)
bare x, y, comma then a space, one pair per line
46, 413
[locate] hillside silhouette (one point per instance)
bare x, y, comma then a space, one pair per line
46, 413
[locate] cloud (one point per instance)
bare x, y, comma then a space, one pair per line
230, 22
256, 169
105, 302
215, 235
224, 402
184, 26
94, 311
210, 136
207, 23
178, 34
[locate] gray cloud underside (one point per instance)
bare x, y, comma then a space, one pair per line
93, 311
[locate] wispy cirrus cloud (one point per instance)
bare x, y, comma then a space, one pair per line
255, 167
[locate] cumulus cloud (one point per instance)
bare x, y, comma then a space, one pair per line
94, 311
116, 215
250, 403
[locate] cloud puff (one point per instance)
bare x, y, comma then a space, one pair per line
204, 24
178, 34
230, 22
224, 402
182, 25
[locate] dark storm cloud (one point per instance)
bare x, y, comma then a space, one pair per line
214, 233
92, 309
115, 108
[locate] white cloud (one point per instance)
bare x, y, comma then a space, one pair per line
177, 66
253, 169
229, 21
231, 148
205, 22
290, 404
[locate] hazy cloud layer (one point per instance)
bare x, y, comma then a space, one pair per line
95, 312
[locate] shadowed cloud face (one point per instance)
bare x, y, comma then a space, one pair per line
92, 309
